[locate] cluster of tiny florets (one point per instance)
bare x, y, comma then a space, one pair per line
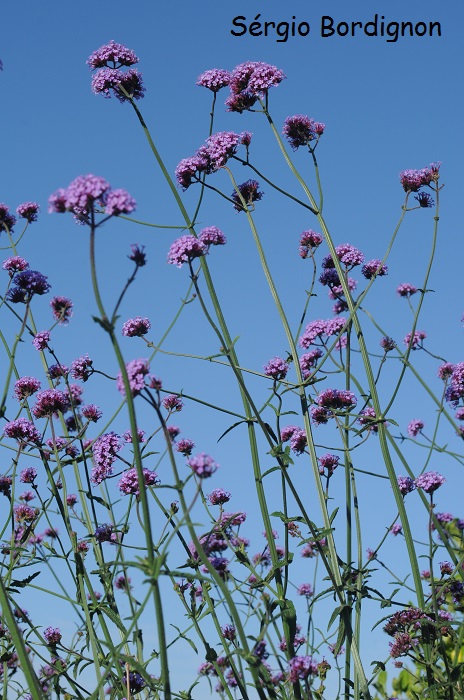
214, 79
137, 326
129, 482
108, 61
136, 370
104, 451
300, 130
249, 82
87, 191
202, 465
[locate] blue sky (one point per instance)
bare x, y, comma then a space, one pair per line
387, 106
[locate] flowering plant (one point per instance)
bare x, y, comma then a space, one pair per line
140, 510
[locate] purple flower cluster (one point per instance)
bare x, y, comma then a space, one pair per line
137, 326
113, 54
305, 589
429, 481
7, 220
413, 180
249, 192
425, 200
209, 158
28, 475
105, 533
406, 289
62, 309
52, 635
129, 482
185, 447
28, 211
137, 370
387, 343
108, 60
202, 465
212, 235
137, 255
334, 399
172, 402
26, 386
405, 485
250, 81
218, 497
300, 130
15, 264
328, 463
319, 328
104, 452
26, 284
309, 360
300, 667
22, 430
308, 241
41, 340
214, 79
296, 436
87, 190
415, 340
50, 401
455, 390
82, 368
415, 427
185, 249
374, 268
276, 369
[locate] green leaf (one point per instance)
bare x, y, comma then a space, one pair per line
25, 581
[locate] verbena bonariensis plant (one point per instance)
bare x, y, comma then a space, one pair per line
263, 619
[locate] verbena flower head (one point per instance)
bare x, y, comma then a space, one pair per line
104, 451
122, 583
276, 368
41, 340
367, 418
300, 667
119, 202
105, 533
212, 236
349, 255
52, 635
250, 192
28, 475
129, 482
298, 441
387, 343
301, 130
62, 309
137, 370
305, 589
396, 529
209, 158
113, 55
253, 79
22, 430
415, 427
413, 180
214, 79
26, 386
202, 465
27, 283
185, 446
172, 402
328, 463
137, 255
184, 249
337, 399
429, 481
137, 326
309, 240
415, 340
15, 264
374, 268
25, 514
406, 290
112, 80
218, 497
7, 220
405, 485
82, 368
50, 401
80, 196
309, 360
424, 199
29, 211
